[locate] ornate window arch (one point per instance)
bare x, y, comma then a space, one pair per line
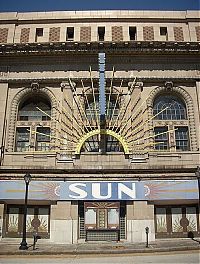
19, 101
185, 118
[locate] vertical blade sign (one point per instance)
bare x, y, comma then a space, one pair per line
102, 95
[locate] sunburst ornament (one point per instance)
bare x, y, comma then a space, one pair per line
91, 115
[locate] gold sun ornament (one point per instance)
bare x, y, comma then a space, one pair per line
78, 123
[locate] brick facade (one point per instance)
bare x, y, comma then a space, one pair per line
24, 37
178, 34
148, 33
54, 34
85, 34
3, 35
117, 33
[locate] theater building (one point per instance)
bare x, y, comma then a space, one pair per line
102, 109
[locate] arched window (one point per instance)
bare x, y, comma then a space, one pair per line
107, 144
175, 109
172, 110
34, 114
34, 109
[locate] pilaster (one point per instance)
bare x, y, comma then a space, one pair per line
140, 215
64, 223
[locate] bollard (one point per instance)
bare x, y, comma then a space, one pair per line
35, 239
147, 236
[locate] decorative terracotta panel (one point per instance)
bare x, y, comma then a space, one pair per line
54, 34
25, 32
148, 33
3, 35
197, 29
178, 34
117, 33
85, 34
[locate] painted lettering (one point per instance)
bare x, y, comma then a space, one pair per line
76, 188
126, 190
96, 191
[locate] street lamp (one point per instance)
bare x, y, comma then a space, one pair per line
23, 245
197, 173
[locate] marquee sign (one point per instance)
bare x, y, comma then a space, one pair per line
100, 190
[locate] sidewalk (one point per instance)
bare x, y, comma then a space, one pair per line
42, 248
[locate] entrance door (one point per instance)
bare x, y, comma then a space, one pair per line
102, 220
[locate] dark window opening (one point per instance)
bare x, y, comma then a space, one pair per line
101, 33
132, 33
38, 34
163, 32
70, 34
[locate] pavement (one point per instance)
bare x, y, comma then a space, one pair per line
11, 247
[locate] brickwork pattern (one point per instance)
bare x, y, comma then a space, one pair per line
178, 34
198, 33
117, 33
85, 34
3, 35
148, 33
54, 34
24, 37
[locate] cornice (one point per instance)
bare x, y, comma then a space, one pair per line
122, 47
61, 79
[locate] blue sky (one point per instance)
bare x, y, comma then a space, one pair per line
49, 5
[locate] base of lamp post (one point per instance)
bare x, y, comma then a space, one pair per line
23, 245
